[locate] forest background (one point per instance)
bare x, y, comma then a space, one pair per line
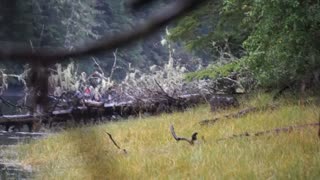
275, 42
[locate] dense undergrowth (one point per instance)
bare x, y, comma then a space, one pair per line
88, 153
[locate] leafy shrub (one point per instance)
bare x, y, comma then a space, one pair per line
214, 71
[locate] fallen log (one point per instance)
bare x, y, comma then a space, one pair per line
319, 128
287, 129
239, 114
13, 118
95, 110
236, 115
93, 103
64, 111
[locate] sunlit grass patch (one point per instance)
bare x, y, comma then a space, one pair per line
88, 153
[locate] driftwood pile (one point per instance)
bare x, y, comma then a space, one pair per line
86, 111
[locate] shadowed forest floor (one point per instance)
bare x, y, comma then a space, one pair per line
152, 153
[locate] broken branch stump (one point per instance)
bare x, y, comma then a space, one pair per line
190, 141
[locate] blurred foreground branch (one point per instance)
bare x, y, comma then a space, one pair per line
106, 43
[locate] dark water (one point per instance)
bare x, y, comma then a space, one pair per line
13, 95
9, 166
12, 138
13, 172
10, 110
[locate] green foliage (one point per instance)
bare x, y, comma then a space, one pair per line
64, 23
281, 37
283, 47
213, 72
210, 27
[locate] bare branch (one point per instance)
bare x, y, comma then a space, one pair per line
31, 44
163, 91
98, 65
114, 64
114, 142
190, 141
160, 86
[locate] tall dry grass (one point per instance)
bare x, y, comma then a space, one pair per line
87, 153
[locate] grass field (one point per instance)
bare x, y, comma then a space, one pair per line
88, 153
